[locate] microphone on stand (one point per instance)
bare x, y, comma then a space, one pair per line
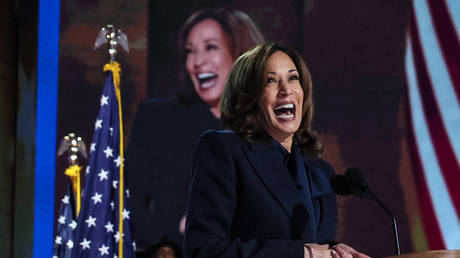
354, 183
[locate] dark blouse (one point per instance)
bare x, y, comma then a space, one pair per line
158, 164
294, 163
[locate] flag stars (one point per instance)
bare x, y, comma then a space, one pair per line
109, 227
108, 152
65, 199
125, 214
73, 225
61, 220
105, 154
98, 124
104, 100
97, 197
69, 244
92, 147
117, 236
58, 240
85, 244
118, 161
103, 175
103, 250
91, 221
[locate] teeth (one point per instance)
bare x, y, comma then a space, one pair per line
285, 116
202, 76
285, 106
206, 85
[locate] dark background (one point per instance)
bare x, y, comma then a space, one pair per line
354, 49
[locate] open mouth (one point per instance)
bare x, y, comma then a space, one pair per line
207, 80
285, 111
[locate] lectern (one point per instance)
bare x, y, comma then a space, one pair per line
430, 254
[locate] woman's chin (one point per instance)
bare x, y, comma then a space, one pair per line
210, 96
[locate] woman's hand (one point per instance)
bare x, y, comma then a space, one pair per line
316, 251
344, 251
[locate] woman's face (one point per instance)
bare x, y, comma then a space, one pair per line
209, 60
282, 98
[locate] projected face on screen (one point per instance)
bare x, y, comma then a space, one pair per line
208, 60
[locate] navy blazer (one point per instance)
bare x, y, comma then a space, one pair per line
158, 160
242, 202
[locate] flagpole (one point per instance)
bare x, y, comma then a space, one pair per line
101, 227
73, 145
113, 37
71, 202
114, 67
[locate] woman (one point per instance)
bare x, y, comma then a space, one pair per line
213, 39
261, 190
166, 130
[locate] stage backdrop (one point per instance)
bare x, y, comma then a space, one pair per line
355, 51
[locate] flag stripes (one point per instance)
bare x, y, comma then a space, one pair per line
443, 149
448, 40
435, 120
427, 158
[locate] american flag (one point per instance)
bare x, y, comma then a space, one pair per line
99, 233
433, 78
63, 243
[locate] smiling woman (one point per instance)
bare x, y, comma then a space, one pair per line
260, 188
282, 98
208, 61
272, 93
166, 130
210, 41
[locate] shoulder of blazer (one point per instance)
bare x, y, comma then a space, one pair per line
226, 136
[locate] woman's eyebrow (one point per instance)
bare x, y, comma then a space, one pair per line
210, 40
289, 71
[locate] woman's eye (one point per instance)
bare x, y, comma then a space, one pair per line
294, 78
271, 80
211, 47
188, 51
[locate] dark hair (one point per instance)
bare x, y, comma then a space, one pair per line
241, 30
152, 250
239, 109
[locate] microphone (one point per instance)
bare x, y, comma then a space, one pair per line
340, 185
354, 183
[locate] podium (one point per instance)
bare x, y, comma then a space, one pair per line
430, 254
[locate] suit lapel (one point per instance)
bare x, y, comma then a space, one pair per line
264, 159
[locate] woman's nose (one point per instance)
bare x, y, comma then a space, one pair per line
199, 59
284, 89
